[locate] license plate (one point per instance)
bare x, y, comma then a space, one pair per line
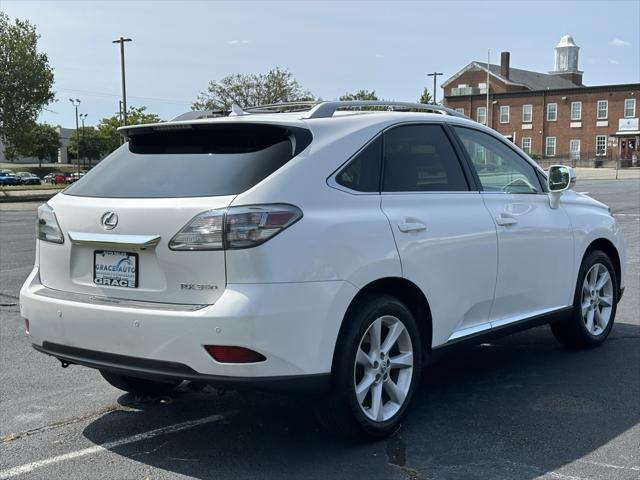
115, 269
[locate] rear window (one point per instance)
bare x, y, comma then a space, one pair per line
198, 161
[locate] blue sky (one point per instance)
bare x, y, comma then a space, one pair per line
331, 47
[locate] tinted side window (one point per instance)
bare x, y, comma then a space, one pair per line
363, 172
420, 158
500, 168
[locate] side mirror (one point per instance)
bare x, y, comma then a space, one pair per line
560, 178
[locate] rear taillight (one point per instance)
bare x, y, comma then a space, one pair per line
47, 226
204, 232
227, 354
235, 228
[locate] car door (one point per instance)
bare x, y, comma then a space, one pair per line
445, 237
535, 242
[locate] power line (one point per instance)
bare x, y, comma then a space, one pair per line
107, 94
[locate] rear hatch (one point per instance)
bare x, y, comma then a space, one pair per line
118, 220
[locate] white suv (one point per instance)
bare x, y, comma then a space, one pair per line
331, 249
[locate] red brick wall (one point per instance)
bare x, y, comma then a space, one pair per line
560, 128
474, 77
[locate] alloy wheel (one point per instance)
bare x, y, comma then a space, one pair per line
383, 368
597, 299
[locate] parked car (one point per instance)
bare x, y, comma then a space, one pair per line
74, 177
55, 178
324, 251
28, 178
9, 179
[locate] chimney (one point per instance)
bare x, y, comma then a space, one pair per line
504, 64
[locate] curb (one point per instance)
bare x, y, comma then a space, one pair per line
27, 198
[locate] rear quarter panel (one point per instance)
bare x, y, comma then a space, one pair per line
342, 236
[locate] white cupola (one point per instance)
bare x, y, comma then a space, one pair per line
566, 55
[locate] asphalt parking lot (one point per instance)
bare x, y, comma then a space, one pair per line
522, 407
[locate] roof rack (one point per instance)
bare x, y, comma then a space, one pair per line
317, 109
327, 109
282, 107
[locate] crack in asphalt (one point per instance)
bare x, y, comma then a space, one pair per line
10, 437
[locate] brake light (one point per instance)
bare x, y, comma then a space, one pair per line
47, 227
227, 354
204, 232
235, 228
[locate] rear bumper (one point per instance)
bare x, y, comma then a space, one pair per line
163, 370
294, 325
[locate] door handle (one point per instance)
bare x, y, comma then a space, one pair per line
505, 221
411, 227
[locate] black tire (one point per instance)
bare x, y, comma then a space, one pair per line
339, 410
138, 386
572, 330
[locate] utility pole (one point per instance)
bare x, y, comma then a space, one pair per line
76, 104
435, 76
121, 41
82, 117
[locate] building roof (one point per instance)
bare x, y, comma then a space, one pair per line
533, 80
524, 78
566, 41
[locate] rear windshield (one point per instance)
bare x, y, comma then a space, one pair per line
200, 161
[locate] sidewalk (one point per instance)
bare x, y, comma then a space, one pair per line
585, 173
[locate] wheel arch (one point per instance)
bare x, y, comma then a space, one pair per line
610, 250
405, 291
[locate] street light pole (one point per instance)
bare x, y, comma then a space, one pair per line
121, 41
82, 117
435, 76
76, 104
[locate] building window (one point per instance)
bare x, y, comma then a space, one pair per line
601, 145
602, 109
527, 113
574, 149
629, 107
460, 110
462, 85
504, 114
576, 110
481, 115
550, 147
526, 144
552, 112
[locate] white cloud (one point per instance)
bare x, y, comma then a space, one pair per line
613, 62
237, 42
619, 43
379, 55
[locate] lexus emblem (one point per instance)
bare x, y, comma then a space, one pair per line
109, 220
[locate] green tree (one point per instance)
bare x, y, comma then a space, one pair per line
360, 95
426, 96
248, 90
108, 127
91, 144
43, 142
26, 80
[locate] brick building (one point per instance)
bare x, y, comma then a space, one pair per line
552, 115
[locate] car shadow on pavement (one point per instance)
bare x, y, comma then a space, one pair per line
520, 407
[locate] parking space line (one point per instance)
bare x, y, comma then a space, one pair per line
29, 467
